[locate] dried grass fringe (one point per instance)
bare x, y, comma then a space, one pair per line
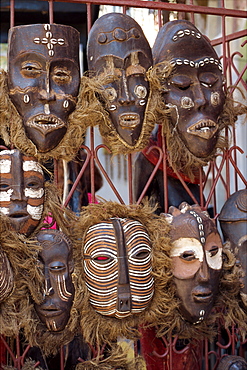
12, 130
118, 359
180, 158
96, 328
28, 279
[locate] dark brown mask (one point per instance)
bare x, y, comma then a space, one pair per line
43, 64
22, 191
233, 223
56, 260
197, 260
120, 54
193, 91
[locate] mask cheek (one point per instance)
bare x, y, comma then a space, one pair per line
214, 262
35, 212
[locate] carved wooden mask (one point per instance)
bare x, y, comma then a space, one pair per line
21, 190
197, 260
117, 267
194, 89
119, 53
56, 260
44, 77
233, 223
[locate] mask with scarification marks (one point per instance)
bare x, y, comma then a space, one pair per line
117, 266
44, 79
56, 261
21, 190
197, 260
194, 89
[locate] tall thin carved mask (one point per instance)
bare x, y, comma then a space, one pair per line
119, 55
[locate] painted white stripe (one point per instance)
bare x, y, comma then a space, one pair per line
187, 244
5, 165
35, 212
6, 195
34, 193
32, 166
4, 210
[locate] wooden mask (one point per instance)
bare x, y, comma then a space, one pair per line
21, 190
117, 267
119, 54
193, 92
197, 260
233, 223
44, 77
56, 261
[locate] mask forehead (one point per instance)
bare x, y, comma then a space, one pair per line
182, 40
116, 35
53, 41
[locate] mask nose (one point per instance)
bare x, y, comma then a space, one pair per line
124, 298
48, 289
125, 97
199, 96
203, 273
18, 193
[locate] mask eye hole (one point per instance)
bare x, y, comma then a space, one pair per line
213, 251
61, 76
57, 266
111, 94
140, 91
188, 256
4, 186
142, 254
102, 259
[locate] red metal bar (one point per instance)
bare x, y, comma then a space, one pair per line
165, 6
12, 13
51, 11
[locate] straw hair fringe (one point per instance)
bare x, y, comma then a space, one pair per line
180, 158
28, 279
99, 329
117, 359
12, 130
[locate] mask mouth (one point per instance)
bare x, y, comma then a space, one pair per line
45, 123
129, 120
18, 215
202, 295
205, 128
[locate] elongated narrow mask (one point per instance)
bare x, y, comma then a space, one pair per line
117, 266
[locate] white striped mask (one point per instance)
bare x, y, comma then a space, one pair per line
117, 266
21, 190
